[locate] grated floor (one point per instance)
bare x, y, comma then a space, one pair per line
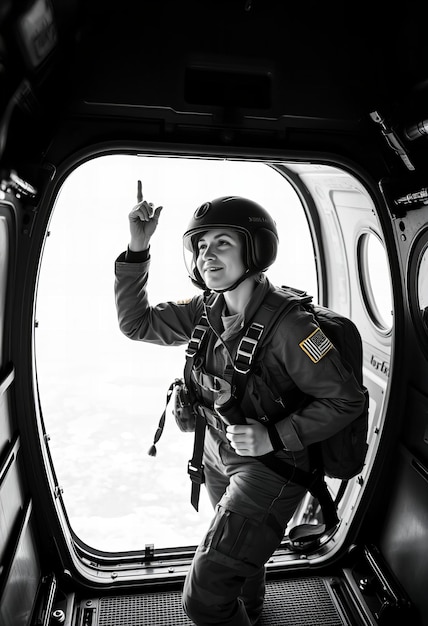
296, 602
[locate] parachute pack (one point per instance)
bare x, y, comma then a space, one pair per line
343, 454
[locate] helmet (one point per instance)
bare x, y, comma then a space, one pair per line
246, 217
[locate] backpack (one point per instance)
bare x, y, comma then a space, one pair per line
342, 455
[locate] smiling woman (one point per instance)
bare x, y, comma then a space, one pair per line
219, 259
102, 395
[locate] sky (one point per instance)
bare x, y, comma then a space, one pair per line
102, 394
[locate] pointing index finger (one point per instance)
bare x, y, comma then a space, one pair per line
139, 191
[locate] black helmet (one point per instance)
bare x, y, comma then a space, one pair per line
246, 217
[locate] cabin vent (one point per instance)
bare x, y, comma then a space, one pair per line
297, 602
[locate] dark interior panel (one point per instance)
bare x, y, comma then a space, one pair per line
415, 431
5, 411
21, 576
404, 537
20, 571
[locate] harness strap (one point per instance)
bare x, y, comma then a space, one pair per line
247, 348
272, 309
198, 336
211, 417
195, 467
313, 481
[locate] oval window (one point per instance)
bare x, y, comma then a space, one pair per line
375, 280
422, 281
418, 287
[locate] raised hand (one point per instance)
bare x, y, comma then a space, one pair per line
143, 221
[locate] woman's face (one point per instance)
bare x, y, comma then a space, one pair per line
220, 258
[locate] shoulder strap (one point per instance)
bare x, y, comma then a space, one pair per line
197, 340
274, 307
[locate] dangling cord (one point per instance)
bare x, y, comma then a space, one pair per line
152, 450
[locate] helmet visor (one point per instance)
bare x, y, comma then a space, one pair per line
190, 253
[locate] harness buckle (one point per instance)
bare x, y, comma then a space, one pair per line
196, 473
247, 348
196, 339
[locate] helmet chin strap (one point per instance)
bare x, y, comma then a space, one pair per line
201, 285
244, 276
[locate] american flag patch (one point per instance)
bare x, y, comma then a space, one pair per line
316, 345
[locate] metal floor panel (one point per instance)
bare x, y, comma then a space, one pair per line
295, 602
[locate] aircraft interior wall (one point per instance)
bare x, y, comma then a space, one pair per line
341, 112
20, 571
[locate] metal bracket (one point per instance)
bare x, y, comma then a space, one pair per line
393, 140
415, 198
18, 186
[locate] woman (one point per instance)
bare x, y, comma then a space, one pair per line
229, 243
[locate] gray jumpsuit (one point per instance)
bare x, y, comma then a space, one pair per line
225, 584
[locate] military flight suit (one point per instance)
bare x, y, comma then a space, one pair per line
253, 505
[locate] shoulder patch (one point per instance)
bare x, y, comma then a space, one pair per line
186, 301
316, 345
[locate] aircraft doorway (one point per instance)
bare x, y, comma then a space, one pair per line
101, 395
